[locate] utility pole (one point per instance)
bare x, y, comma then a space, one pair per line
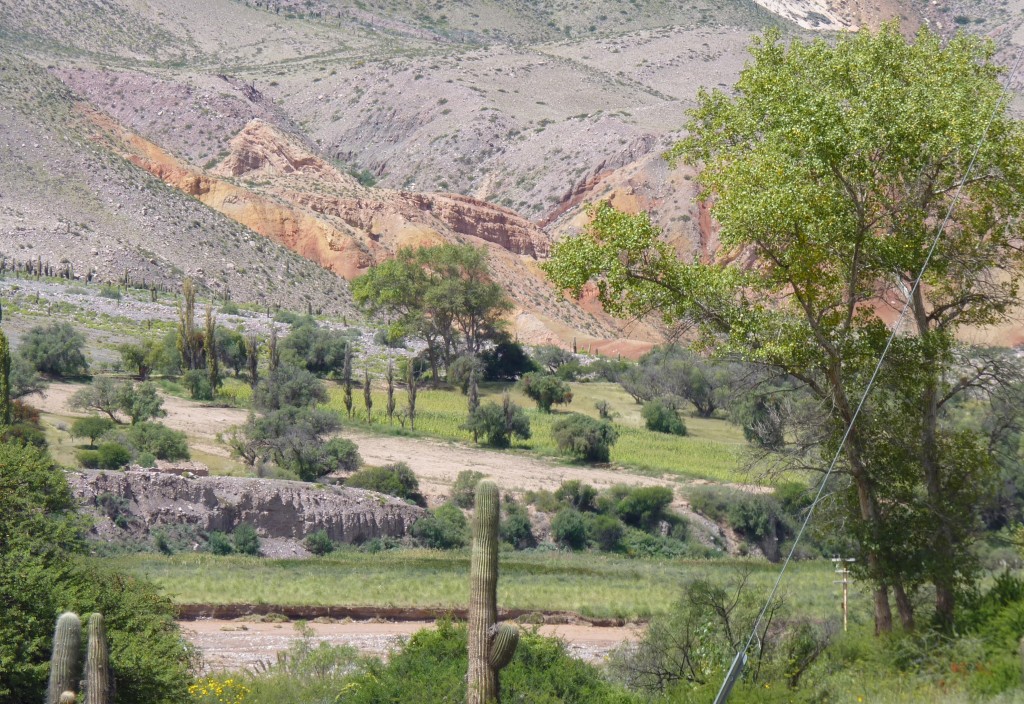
842, 566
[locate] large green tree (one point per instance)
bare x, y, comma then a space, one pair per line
442, 295
829, 169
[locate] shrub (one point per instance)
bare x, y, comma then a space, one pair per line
319, 350
569, 529
146, 459
546, 390
460, 371
246, 541
393, 479
497, 424
90, 459
156, 439
578, 495
340, 455
605, 532
198, 384
464, 488
515, 527
319, 543
443, 528
219, 544
25, 434
637, 543
55, 350
506, 361
113, 456
583, 437
644, 506
662, 418
431, 668
91, 427
288, 385
543, 500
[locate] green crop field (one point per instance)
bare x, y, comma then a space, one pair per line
587, 583
712, 450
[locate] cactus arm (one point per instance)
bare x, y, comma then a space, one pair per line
99, 684
503, 645
67, 639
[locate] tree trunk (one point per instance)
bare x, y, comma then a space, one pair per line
903, 607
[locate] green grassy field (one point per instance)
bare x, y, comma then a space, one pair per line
712, 449
590, 584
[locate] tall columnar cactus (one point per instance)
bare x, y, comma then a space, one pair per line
67, 641
5, 381
491, 645
99, 686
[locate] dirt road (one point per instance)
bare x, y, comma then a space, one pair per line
435, 462
231, 645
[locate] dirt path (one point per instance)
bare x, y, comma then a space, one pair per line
435, 462
231, 645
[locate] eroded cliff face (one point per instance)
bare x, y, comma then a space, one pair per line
277, 509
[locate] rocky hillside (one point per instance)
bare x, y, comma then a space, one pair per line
132, 504
342, 131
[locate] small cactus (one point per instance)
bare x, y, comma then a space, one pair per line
67, 640
491, 646
99, 688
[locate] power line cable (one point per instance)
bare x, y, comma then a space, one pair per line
740, 660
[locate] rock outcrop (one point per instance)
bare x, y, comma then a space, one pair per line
277, 509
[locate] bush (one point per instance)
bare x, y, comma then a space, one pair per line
113, 456
757, 517
576, 494
91, 427
431, 668
464, 488
637, 543
515, 527
146, 459
461, 370
340, 455
55, 350
662, 418
644, 507
605, 532
197, 381
497, 424
506, 361
25, 434
219, 544
393, 479
246, 541
319, 350
288, 385
583, 437
155, 439
319, 543
546, 390
569, 529
90, 459
443, 528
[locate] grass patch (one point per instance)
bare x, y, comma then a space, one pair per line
712, 450
591, 584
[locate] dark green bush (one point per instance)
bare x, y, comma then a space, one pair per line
146, 459
643, 507
197, 381
319, 543
460, 370
498, 424
569, 529
605, 532
246, 541
515, 525
219, 543
288, 385
464, 488
431, 669
158, 440
662, 418
583, 437
90, 459
55, 350
320, 350
506, 361
546, 390
113, 456
26, 434
575, 493
443, 528
393, 479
